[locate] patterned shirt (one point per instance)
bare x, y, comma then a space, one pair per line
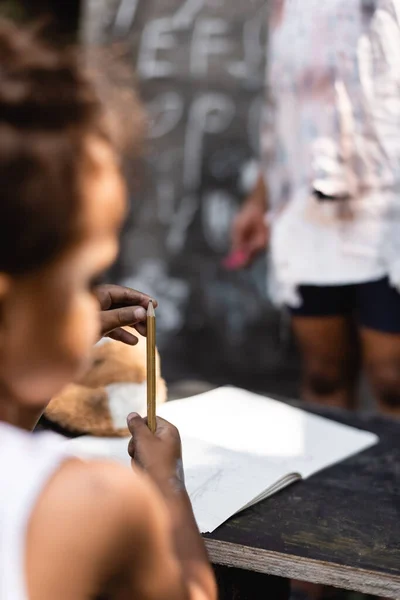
332, 126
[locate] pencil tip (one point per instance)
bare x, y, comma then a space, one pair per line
150, 310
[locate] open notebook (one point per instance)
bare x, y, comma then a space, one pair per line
239, 448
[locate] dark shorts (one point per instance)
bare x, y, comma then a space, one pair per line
375, 305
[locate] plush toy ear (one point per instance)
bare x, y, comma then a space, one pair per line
81, 410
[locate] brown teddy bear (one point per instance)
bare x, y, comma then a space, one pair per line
113, 387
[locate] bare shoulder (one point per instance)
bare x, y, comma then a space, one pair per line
87, 517
87, 492
93, 487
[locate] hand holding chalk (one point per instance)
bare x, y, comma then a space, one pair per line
250, 236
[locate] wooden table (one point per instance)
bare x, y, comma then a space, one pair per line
340, 528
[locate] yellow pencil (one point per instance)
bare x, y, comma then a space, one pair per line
151, 367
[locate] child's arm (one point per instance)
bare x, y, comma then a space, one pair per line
99, 528
160, 456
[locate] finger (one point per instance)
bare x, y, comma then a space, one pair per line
139, 430
136, 424
132, 448
165, 429
110, 295
121, 335
237, 234
241, 234
258, 243
141, 328
121, 317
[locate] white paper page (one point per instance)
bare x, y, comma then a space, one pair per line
219, 482
289, 439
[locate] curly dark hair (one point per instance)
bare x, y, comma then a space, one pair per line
48, 108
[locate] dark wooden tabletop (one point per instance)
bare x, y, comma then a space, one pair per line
340, 527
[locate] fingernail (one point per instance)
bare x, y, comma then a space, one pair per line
140, 313
131, 416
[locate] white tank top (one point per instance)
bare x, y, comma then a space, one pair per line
27, 462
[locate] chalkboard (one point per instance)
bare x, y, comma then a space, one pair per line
200, 65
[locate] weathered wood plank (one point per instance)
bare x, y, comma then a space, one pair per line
293, 567
341, 527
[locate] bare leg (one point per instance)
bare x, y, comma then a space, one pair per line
330, 355
381, 353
